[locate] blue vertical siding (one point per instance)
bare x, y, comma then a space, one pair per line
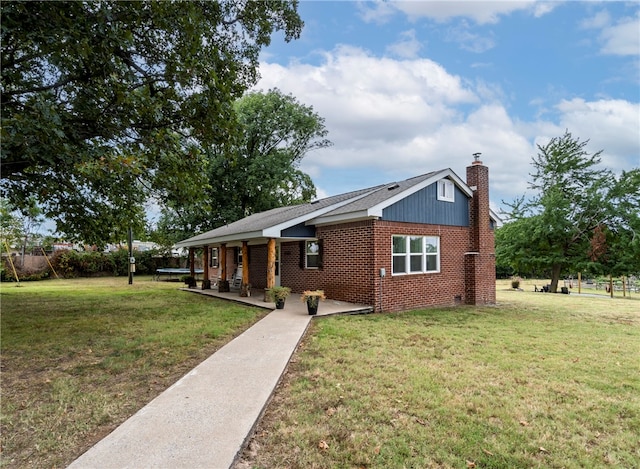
424, 207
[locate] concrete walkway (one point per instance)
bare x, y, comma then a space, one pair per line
204, 419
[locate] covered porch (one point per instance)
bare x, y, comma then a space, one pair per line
226, 266
293, 304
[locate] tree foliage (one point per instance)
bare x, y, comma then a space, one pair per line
258, 170
579, 213
105, 104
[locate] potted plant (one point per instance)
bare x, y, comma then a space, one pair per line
312, 298
278, 295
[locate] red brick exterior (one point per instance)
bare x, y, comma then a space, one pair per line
353, 254
480, 263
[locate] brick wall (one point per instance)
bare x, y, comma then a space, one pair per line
480, 266
410, 291
354, 254
347, 271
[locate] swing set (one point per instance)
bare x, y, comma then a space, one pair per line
13, 267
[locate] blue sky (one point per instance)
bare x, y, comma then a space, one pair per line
410, 87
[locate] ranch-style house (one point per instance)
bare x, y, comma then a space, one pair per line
425, 241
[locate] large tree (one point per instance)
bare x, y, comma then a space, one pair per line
576, 200
105, 104
258, 170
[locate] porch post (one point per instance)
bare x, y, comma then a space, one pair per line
245, 287
271, 266
223, 283
206, 283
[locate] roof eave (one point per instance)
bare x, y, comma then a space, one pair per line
193, 243
342, 218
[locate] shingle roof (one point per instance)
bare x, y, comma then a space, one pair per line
380, 194
356, 202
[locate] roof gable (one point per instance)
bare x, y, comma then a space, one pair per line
374, 203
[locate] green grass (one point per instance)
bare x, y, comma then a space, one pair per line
541, 380
80, 356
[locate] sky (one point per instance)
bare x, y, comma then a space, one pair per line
406, 88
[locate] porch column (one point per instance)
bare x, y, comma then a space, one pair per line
206, 282
223, 283
245, 288
271, 266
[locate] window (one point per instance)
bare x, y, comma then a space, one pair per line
415, 254
446, 191
312, 254
238, 256
213, 258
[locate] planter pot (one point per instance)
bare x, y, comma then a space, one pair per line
190, 282
312, 306
279, 304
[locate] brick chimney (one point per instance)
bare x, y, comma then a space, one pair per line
480, 261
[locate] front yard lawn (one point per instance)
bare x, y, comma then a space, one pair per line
81, 356
541, 380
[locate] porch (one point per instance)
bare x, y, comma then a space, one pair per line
293, 305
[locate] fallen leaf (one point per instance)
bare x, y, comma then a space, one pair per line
485, 451
376, 450
421, 422
330, 411
323, 445
524, 423
542, 450
471, 464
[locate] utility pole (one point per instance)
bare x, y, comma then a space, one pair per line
131, 264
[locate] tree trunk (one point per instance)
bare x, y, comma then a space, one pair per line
555, 277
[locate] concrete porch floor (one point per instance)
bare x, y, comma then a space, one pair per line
293, 304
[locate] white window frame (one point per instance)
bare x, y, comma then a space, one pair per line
422, 248
307, 254
446, 190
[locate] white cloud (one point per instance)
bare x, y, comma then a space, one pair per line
481, 12
468, 40
407, 47
621, 37
378, 12
610, 125
598, 21
391, 118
